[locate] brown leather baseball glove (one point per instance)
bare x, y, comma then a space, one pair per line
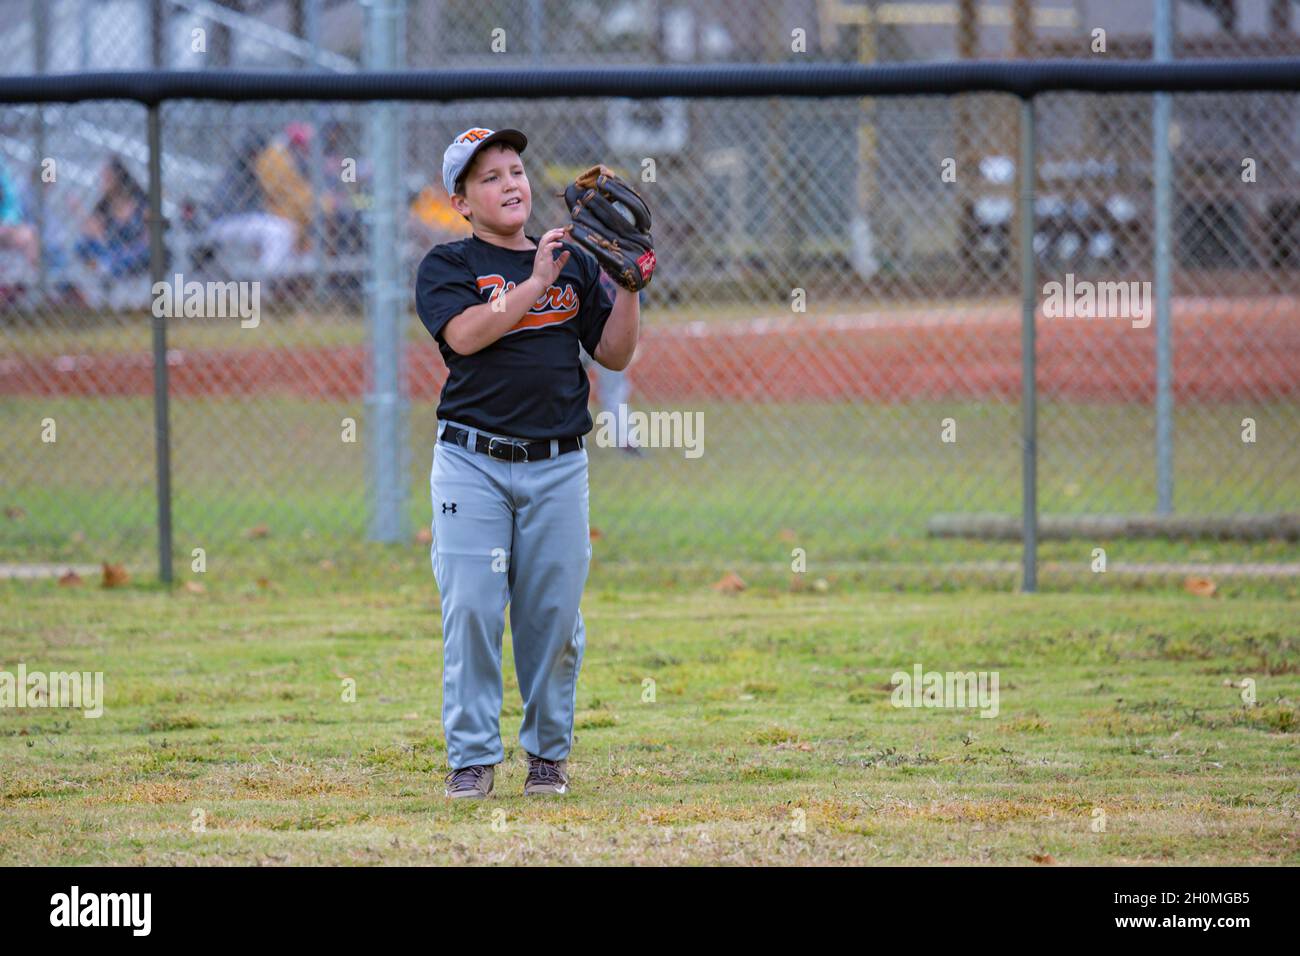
620, 240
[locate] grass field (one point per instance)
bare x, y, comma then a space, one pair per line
846, 482
771, 737
332, 324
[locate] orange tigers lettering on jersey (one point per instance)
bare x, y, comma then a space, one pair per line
552, 307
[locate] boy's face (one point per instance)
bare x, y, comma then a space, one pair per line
496, 195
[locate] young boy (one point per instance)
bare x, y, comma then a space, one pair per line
509, 478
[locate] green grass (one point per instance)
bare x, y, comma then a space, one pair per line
771, 737
845, 482
295, 325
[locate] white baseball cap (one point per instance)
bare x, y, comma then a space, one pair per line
464, 147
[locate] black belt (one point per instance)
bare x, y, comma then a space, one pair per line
509, 449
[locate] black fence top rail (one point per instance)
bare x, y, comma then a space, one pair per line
1017, 77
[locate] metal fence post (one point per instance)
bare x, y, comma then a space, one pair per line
1163, 173
311, 17
162, 430
1028, 385
41, 29
386, 295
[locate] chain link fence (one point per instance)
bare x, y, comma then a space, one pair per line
837, 305
61, 36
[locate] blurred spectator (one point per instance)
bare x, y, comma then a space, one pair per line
433, 219
115, 239
16, 233
283, 171
342, 200
263, 200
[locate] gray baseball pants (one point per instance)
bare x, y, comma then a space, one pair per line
511, 532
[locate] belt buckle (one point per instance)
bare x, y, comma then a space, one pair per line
513, 445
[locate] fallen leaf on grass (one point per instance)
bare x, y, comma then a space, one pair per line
729, 583
69, 578
788, 535
114, 575
596, 534
194, 587
257, 531
1201, 587
424, 536
1045, 858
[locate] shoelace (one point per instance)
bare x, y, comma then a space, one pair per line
544, 769
466, 778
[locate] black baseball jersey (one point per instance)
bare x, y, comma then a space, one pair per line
530, 382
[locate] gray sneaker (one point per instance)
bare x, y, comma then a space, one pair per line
546, 777
470, 783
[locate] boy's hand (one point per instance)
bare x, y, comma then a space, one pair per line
546, 267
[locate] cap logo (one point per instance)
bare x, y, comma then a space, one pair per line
473, 135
